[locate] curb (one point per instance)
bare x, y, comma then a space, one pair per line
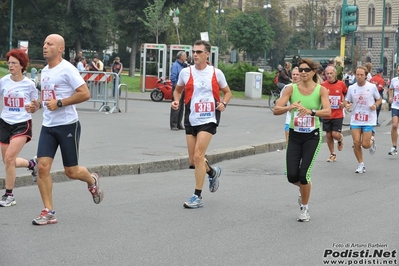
215, 156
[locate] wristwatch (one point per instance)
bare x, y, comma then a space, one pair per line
313, 112
59, 103
225, 104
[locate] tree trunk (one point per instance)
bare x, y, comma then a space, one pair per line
78, 45
132, 67
67, 57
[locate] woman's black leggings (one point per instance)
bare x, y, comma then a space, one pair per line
302, 150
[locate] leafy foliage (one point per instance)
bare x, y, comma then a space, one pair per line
157, 21
250, 33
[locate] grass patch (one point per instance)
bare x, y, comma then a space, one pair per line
133, 84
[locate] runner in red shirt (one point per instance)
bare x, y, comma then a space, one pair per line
333, 125
379, 81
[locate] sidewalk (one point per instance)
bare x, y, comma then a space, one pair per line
138, 139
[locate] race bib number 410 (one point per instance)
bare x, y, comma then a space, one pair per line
13, 102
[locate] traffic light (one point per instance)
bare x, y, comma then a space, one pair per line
348, 19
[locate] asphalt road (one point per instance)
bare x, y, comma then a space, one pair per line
250, 220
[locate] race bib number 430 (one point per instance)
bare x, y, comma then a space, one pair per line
361, 117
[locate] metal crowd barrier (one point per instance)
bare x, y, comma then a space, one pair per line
101, 85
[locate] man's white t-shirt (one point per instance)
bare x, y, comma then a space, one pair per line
58, 83
362, 97
202, 106
395, 87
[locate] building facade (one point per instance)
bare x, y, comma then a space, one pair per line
376, 37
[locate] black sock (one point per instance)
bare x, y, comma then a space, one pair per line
394, 147
198, 193
211, 172
31, 164
191, 167
8, 191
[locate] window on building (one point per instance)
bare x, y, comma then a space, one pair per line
371, 16
292, 16
368, 59
386, 42
385, 66
338, 16
388, 15
323, 15
370, 43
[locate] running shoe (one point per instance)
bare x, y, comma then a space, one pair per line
340, 145
360, 169
45, 217
332, 158
7, 201
95, 190
214, 181
393, 151
304, 215
373, 147
34, 169
194, 202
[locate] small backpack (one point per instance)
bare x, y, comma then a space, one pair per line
275, 80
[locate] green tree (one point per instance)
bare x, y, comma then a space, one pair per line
301, 38
250, 33
157, 20
277, 18
193, 21
131, 28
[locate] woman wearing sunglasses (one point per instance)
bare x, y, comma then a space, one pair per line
17, 92
308, 101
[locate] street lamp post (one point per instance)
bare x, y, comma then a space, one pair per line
312, 27
397, 48
219, 11
266, 8
333, 30
383, 35
174, 13
11, 21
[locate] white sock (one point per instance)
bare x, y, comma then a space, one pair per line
304, 206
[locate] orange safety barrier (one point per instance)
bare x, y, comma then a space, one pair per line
96, 77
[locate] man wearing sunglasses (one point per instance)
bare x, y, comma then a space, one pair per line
202, 84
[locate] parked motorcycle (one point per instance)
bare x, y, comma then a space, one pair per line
162, 91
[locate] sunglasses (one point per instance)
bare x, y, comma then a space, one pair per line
306, 69
197, 51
